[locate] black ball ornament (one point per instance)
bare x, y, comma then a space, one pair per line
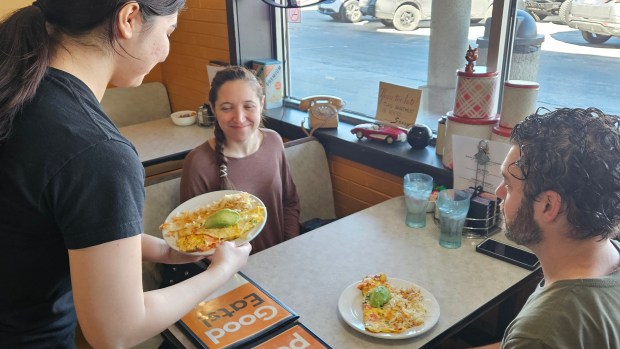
419, 136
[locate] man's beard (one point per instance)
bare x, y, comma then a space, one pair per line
522, 229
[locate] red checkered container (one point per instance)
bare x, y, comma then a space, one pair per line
476, 94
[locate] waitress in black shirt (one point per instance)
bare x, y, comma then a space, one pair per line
72, 187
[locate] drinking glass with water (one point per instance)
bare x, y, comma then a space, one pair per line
453, 206
417, 188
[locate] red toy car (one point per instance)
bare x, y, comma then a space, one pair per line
386, 133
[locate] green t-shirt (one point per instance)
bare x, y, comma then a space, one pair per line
582, 313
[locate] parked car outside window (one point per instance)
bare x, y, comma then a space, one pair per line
598, 20
540, 9
346, 10
406, 15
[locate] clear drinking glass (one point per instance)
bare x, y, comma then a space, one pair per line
453, 206
417, 188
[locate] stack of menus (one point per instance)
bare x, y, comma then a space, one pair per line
241, 314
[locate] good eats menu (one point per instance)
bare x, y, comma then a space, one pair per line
296, 336
243, 314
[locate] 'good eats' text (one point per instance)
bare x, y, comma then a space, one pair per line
264, 313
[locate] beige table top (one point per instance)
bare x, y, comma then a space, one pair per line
159, 140
310, 272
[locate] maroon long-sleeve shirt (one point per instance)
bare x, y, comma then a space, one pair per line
264, 174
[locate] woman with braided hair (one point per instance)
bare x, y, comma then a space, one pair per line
243, 156
72, 187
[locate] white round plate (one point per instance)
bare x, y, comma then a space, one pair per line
204, 200
350, 308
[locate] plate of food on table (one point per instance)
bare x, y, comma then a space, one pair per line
388, 308
200, 224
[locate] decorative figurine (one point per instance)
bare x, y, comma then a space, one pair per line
471, 56
419, 136
386, 133
482, 159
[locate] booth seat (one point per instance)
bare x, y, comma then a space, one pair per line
310, 170
133, 105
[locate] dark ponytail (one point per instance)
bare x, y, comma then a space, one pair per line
25, 54
30, 35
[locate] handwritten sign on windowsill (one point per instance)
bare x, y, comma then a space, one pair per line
398, 105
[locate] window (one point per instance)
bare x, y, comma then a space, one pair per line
342, 48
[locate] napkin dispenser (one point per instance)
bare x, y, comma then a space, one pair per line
483, 214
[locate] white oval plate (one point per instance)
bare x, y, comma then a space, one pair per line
350, 308
204, 200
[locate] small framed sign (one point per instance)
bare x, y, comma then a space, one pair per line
398, 105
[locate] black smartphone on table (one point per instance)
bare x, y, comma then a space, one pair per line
510, 254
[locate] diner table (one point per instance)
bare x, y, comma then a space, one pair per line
160, 140
310, 272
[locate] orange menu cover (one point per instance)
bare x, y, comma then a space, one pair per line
240, 312
297, 336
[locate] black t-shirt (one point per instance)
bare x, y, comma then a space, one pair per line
68, 180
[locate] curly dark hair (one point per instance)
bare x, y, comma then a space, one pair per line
576, 153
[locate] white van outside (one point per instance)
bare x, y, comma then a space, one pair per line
598, 20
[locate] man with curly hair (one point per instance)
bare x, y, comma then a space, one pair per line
561, 199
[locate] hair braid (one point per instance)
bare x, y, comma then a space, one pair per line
220, 158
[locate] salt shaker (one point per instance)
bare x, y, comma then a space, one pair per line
209, 118
201, 117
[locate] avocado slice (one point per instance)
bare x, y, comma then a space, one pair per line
221, 219
379, 296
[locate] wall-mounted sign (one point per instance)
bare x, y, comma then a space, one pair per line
398, 105
294, 15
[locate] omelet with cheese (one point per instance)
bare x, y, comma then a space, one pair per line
191, 234
393, 312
